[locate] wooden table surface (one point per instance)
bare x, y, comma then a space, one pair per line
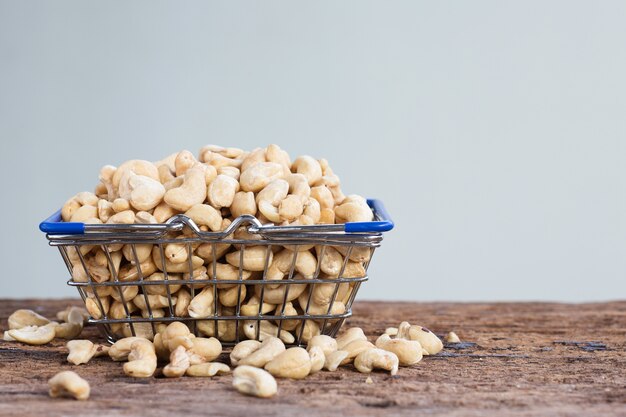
523, 359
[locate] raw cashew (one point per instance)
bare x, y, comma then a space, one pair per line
177, 334
119, 350
409, 352
34, 335
191, 192
143, 193
142, 359
254, 258
229, 171
137, 166
254, 381
222, 190
142, 251
287, 310
205, 215
80, 351
120, 204
277, 295
93, 307
179, 362
267, 330
243, 203
290, 208
162, 290
154, 301
293, 363
183, 161
72, 311
305, 264
299, 186
334, 359
259, 175
171, 267
309, 167
253, 157
204, 349
354, 348
273, 153
226, 272
68, 384
311, 329
324, 197
183, 299
429, 341
350, 335
163, 212
128, 292
207, 369
353, 209
317, 357
23, 318
371, 359
144, 217
452, 338
231, 297
324, 342
269, 198
330, 259
268, 350
202, 304
244, 349
251, 307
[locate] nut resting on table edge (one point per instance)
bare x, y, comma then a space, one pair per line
237, 245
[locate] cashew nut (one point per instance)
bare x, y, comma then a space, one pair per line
23, 318
177, 334
254, 258
309, 167
142, 359
222, 190
429, 341
80, 351
267, 350
207, 369
179, 362
243, 349
334, 359
257, 176
243, 203
205, 215
68, 384
202, 304
119, 350
452, 338
409, 352
293, 363
371, 359
254, 381
34, 335
324, 342
316, 354
267, 329
191, 192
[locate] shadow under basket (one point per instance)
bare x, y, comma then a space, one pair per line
246, 282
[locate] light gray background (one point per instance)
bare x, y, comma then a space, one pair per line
494, 131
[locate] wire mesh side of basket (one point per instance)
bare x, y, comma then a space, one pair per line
132, 286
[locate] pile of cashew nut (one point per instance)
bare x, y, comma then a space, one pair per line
256, 363
213, 189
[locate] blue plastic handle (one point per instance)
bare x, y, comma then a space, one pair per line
54, 225
383, 225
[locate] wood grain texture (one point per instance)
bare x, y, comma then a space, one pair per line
528, 359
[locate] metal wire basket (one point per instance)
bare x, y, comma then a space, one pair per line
131, 287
